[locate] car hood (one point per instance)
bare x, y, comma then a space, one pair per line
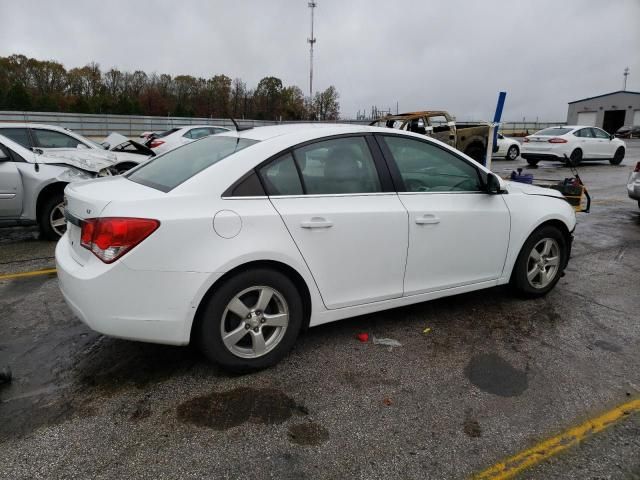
517, 187
85, 159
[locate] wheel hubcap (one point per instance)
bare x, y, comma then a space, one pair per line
57, 221
254, 322
513, 153
543, 263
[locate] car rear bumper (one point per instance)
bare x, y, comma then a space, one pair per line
114, 300
633, 190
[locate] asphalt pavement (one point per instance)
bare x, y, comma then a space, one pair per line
479, 377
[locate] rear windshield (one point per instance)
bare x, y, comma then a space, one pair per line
168, 171
550, 132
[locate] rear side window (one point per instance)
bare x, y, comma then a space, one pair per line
173, 168
584, 133
342, 165
281, 177
53, 139
18, 135
196, 133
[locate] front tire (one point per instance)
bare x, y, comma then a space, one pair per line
540, 263
51, 217
251, 321
513, 152
617, 157
576, 157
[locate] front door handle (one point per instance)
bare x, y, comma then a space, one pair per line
427, 220
317, 222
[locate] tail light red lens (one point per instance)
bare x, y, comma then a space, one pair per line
557, 140
637, 169
526, 140
155, 143
110, 238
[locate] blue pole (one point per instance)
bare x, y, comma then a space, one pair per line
496, 118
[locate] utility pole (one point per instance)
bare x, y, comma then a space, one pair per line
626, 74
311, 40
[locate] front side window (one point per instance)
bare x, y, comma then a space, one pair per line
428, 168
439, 123
600, 133
18, 135
171, 169
53, 139
337, 166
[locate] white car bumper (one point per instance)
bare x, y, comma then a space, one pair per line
114, 300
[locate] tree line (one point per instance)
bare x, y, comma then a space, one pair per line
46, 85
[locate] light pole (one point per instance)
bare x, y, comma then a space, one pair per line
311, 40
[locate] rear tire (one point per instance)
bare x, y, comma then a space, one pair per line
576, 157
51, 217
617, 157
259, 335
513, 152
540, 263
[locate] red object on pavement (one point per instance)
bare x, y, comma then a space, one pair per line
363, 337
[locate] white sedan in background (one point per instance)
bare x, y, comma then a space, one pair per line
576, 142
507, 148
175, 137
239, 240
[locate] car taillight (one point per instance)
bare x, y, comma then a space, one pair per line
557, 140
110, 238
155, 143
526, 140
637, 169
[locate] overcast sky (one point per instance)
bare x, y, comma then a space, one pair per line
445, 54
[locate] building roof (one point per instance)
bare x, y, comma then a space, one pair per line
604, 95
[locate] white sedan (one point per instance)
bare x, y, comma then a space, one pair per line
175, 137
239, 240
578, 143
507, 148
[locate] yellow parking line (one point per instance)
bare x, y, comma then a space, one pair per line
9, 276
515, 464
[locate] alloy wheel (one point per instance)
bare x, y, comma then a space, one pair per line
57, 220
544, 263
512, 154
254, 322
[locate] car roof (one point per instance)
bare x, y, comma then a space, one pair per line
31, 125
311, 129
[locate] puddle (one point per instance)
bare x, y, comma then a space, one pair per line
608, 346
310, 434
492, 374
224, 410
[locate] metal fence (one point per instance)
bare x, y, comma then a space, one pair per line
100, 125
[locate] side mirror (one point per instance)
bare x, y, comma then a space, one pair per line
493, 184
612, 136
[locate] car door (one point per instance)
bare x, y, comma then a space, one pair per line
458, 234
11, 190
604, 147
346, 220
587, 143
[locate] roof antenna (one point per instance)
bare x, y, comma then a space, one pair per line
238, 128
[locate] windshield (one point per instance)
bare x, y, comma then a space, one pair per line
553, 131
168, 171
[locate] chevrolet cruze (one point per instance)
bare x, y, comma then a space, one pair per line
239, 241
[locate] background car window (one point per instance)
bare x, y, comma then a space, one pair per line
281, 177
53, 139
219, 130
584, 133
599, 133
171, 169
342, 165
196, 133
18, 135
439, 123
428, 168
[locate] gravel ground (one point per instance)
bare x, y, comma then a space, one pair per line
493, 376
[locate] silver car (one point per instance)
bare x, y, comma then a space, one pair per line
32, 181
633, 185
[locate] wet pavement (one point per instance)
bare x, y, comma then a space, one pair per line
494, 375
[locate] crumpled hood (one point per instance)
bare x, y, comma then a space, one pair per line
84, 159
527, 189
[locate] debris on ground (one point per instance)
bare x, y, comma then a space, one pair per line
388, 402
363, 337
388, 342
426, 330
5, 376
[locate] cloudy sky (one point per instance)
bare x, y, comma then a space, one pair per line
445, 54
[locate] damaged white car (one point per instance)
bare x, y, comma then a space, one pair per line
32, 180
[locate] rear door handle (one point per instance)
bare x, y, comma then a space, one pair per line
317, 222
427, 220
